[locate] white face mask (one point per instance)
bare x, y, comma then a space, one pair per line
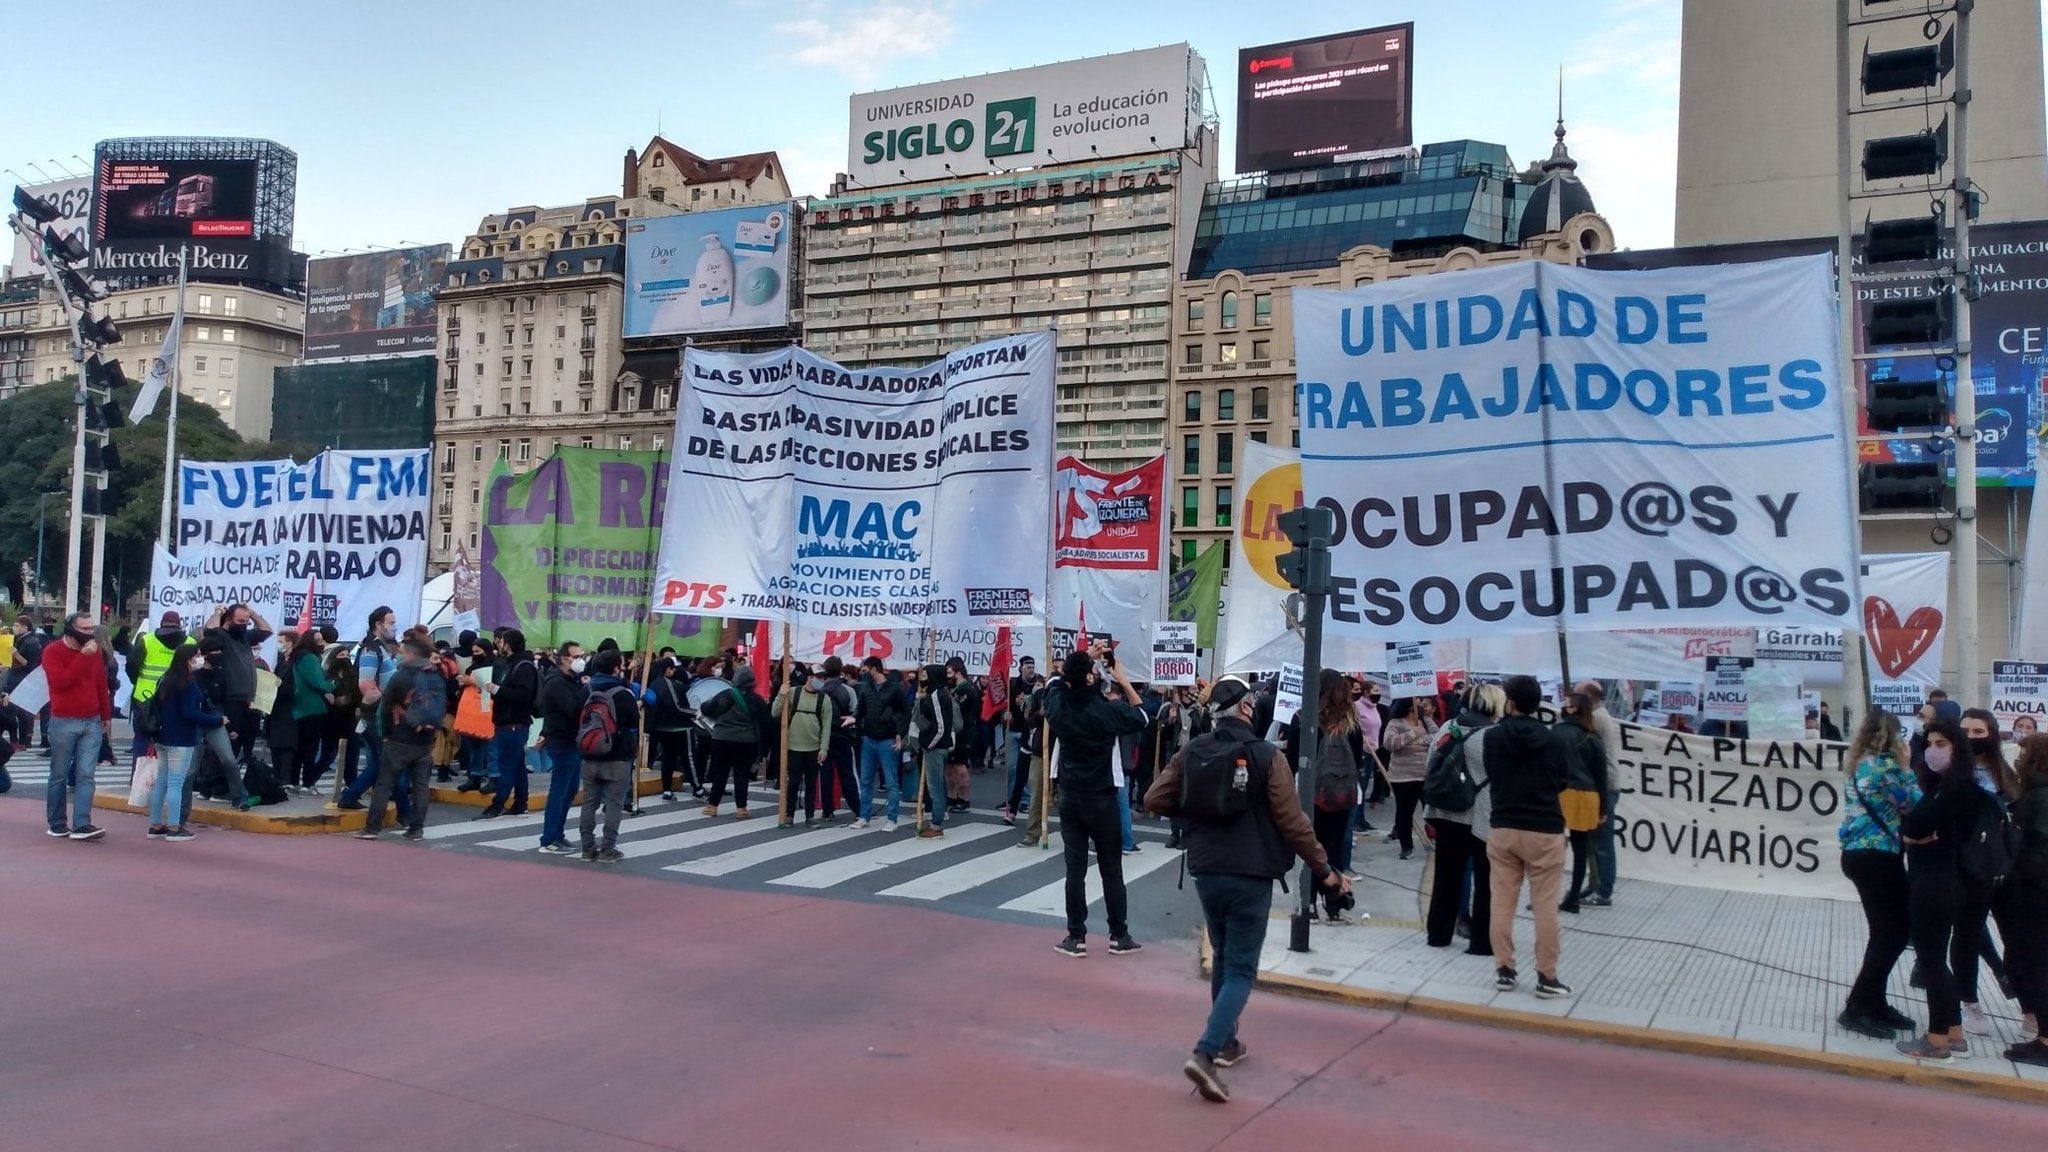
577, 666
197, 666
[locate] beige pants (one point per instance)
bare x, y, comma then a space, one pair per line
1540, 856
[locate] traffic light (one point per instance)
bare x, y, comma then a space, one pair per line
1897, 405
1902, 487
1307, 567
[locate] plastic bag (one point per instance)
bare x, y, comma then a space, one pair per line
143, 782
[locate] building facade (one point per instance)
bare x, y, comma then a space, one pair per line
236, 337
904, 274
20, 310
531, 310
1757, 114
1446, 208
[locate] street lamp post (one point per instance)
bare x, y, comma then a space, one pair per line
41, 499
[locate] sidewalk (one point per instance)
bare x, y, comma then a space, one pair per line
1690, 969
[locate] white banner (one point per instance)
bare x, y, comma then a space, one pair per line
1905, 615
349, 526
1411, 671
862, 498
1109, 548
1173, 654
1680, 696
1726, 697
2019, 698
1742, 815
1260, 631
1287, 698
1516, 447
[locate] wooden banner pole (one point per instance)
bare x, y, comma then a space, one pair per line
640, 702
782, 812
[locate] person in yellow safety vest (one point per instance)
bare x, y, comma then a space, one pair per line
149, 659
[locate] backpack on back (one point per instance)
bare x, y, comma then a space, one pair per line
424, 706
597, 725
147, 717
1448, 784
1988, 855
1336, 775
1217, 779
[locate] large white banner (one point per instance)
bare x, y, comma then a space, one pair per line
348, 528
1905, 615
867, 498
1109, 548
1743, 815
1261, 622
1534, 447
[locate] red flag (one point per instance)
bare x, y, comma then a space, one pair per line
1081, 640
306, 612
758, 659
997, 699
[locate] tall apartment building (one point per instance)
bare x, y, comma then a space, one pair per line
236, 337
903, 274
1449, 207
530, 351
20, 306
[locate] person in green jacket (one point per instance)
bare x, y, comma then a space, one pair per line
811, 717
312, 693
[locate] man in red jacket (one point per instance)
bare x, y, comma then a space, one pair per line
81, 715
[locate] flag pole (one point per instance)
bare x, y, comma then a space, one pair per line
931, 642
163, 528
783, 816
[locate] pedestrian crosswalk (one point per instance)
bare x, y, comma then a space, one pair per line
979, 860
30, 768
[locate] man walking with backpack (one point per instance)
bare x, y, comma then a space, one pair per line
1526, 774
410, 714
607, 734
1244, 828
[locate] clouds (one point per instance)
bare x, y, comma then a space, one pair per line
856, 40
1626, 75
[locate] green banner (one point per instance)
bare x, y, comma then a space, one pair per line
569, 551
1196, 591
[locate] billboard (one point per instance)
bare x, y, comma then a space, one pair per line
73, 201
1324, 99
174, 199
225, 203
373, 304
722, 271
1089, 109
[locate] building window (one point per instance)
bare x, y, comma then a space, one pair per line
199, 363
1191, 455
1258, 437
1297, 438
202, 334
1226, 452
1227, 310
587, 442
1261, 403
1262, 309
525, 450
230, 306
280, 312
227, 335
504, 449
1194, 313
476, 452
1226, 404
1191, 355
1193, 413
1223, 507
625, 443
659, 442
204, 305
227, 366
224, 399
448, 457
475, 493
1226, 352
1187, 552
1262, 350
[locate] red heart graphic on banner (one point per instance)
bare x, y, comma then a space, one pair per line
1898, 645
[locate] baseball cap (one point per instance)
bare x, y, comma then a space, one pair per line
1228, 693
171, 620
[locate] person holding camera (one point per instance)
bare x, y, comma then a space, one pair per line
1086, 728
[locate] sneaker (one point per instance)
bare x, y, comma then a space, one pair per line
1892, 1018
469, 785
351, 806
156, 831
557, 850
1132, 850
491, 813
1073, 946
1202, 1070
2031, 1052
590, 855
1974, 1021
179, 835
1504, 979
1865, 1024
1919, 1049
1598, 902
250, 803
889, 827
861, 823
928, 832
88, 832
1407, 853
1124, 946
1960, 1049
415, 834
609, 855
742, 814
708, 810
668, 797
1551, 988
1008, 816
59, 833
1233, 1053
313, 790
365, 834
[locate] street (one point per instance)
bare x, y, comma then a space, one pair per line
259, 992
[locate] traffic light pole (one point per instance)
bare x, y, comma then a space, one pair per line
1307, 568
1965, 403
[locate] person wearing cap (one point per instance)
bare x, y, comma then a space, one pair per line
149, 660
1234, 865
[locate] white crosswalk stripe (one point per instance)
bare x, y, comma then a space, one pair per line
973, 873
1051, 900
740, 859
844, 868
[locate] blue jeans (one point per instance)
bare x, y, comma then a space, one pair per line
1236, 910
935, 784
1603, 855
1123, 804
508, 748
563, 780
74, 761
373, 760
167, 798
879, 756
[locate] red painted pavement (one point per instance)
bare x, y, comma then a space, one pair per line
314, 993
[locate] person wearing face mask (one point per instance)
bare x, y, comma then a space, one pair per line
1931, 833
81, 716
239, 631
184, 715
515, 696
1981, 902
1881, 790
312, 692
376, 664
2026, 903
562, 692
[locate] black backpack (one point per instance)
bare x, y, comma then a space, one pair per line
1336, 774
1992, 847
147, 717
1218, 778
1448, 784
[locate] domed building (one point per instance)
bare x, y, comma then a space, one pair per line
1559, 194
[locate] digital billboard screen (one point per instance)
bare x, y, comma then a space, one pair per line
720, 271
1324, 99
373, 304
174, 199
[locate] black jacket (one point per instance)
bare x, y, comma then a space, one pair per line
237, 661
1265, 840
1585, 757
626, 710
883, 712
561, 702
1526, 770
516, 694
1086, 727
2030, 813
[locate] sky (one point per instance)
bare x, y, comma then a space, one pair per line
413, 120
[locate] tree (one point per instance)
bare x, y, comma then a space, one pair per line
38, 424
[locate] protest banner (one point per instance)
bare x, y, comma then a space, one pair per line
1287, 699
1741, 815
1261, 614
1726, 695
1173, 654
2019, 698
804, 491
1536, 448
1411, 670
569, 549
1195, 592
1680, 696
1905, 615
1109, 547
352, 526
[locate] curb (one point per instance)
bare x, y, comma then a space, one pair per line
1683, 1043
255, 820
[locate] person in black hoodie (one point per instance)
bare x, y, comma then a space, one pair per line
562, 693
515, 696
1086, 727
1946, 815
884, 719
1525, 774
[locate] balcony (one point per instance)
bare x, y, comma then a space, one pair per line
590, 311
588, 343
586, 378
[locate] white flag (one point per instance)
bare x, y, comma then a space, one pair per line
159, 376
